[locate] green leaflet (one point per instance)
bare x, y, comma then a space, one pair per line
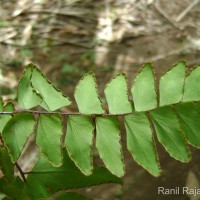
16, 133
71, 196
143, 89
13, 189
116, 93
1, 104
2, 196
169, 133
27, 97
6, 198
190, 122
49, 132
34, 89
53, 99
78, 141
171, 85
192, 89
140, 142
86, 95
46, 179
9, 107
5, 164
108, 144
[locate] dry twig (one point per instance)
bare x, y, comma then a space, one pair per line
186, 11
161, 11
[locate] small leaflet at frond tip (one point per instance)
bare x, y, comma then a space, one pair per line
27, 96
53, 98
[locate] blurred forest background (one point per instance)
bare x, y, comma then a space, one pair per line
67, 38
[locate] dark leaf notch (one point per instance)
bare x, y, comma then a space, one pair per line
173, 112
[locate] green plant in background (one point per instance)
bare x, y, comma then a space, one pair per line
68, 164
2, 22
88, 55
17, 62
24, 53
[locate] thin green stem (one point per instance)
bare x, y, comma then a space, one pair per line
59, 113
16, 164
21, 172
